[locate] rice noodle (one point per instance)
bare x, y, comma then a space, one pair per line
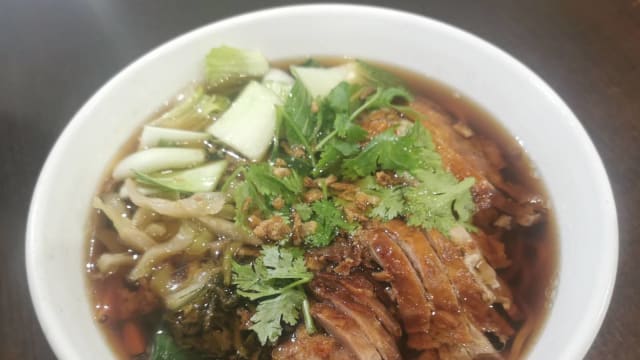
229, 229
160, 252
109, 238
129, 235
200, 204
143, 217
109, 263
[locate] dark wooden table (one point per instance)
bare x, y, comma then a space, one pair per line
55, 53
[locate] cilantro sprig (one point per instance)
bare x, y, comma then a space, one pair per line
439, 201
258, 187
330, 221
322, 136
275, 280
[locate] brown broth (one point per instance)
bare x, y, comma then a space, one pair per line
534, 250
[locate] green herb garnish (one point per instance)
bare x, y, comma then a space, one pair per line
274, 279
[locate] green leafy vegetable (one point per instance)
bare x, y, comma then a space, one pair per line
199, 179
267, 184
391, 204
330, 220
279, 82
165, 348
339, 98
193, 113
157, 159
304, 211
255, 109
386, 151
320, 81
436, 199
332, 155
383, 98
271, 312
260, 187
274, 279
439, 201
229, 68
261, 278
153, 136
372, 75
296, 114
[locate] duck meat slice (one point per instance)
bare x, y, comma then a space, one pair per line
475, 297
327, 287
479, 266
449, 324
414, 308
363, 290
345, 330
302, 346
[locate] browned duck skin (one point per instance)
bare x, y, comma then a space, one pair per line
302, 346
345, 330
474, 297
329, 289
448, 324
414, 308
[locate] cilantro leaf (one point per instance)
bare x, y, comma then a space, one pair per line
387, 151
338, 98
261, 186
295, 114
246, 198
391, 204
382, 98
304, 210
283, 263
334, 117
345, 128
439, 201
269, 315
332, 155
251, 280
262, 277
382, 148
274, 279
330, 220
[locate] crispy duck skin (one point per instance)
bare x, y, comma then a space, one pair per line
302, 346
345, 330
448, 324
414, 308
451, 327
472, 295
362, 289
329, 289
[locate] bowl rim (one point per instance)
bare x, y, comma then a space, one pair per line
578, 345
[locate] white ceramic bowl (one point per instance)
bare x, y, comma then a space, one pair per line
565, 157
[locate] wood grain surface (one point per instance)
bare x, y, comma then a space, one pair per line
55, 53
